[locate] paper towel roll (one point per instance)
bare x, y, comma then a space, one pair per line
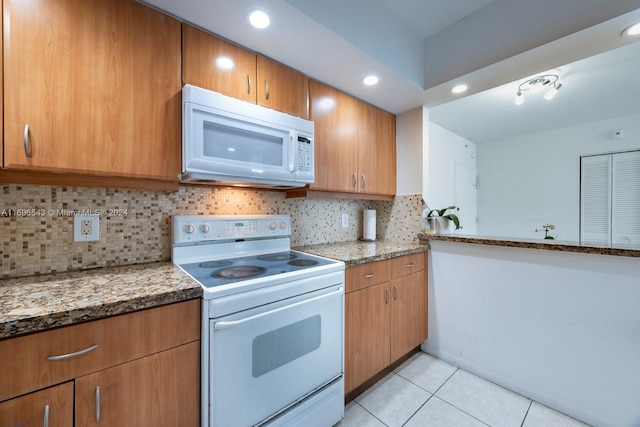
369, 224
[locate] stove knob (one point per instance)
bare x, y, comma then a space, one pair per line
272, 225
205, 228
189, 228
283, 225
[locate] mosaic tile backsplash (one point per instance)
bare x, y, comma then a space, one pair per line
36, 222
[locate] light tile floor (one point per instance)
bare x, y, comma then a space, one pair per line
425, 391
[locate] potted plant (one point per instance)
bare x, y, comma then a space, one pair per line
440, 219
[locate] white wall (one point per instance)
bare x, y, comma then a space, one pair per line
445, 150
560, 328
534, 179
409, 152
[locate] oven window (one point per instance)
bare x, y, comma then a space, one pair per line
281, 346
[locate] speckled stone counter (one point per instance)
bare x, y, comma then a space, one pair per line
36, 303
360, 252
549, 245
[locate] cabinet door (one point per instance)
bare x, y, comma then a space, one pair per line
282, 88
161, 389
52, 406
376, 150
98, 84
408, 313
335, 115
215, 64
367, 334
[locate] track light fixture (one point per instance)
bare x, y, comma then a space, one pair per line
538, 83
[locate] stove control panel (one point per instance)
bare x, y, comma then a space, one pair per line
192, 229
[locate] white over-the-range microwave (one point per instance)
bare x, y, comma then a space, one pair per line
232, 142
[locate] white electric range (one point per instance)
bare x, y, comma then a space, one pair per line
273, 322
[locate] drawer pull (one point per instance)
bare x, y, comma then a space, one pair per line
27, 147
369, 276
46, 416
409, 265
98, 404
74, 354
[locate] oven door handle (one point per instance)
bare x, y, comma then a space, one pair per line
218, 326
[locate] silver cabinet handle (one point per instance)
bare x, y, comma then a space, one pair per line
74, 354
248, 83
409, 265
369, 276
98, 404
388, 297
27, 148
266, 85
396, 292
364, 181
355, 180
46, 416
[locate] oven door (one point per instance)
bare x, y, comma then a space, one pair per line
265, 359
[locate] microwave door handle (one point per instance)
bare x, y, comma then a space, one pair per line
293, 138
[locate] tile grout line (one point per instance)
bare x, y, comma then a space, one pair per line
371, 413
526, 413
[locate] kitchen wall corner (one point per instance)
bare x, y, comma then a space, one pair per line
36, 222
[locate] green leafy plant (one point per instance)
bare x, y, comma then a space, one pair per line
443, 214
547, 228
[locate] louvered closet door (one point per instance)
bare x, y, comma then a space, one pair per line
595, 199
626, 199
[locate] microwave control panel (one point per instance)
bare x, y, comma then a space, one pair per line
305, 154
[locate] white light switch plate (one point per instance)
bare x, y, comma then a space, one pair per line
345, 220
86, 228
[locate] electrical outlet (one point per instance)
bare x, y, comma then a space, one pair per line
345, 220
86, 228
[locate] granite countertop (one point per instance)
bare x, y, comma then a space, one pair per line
35, 303
550, 245
361, 252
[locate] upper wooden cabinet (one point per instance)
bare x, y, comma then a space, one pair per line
282, 88
376, 150
92, 87
335, 116
355, 146
215, 64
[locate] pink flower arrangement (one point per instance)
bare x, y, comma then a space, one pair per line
547, 228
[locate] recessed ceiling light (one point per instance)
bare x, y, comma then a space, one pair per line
633, 30
459, 88
224, 62
371, 80
259, 18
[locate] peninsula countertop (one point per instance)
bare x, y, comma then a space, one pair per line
362, 252
549, 245
36, 303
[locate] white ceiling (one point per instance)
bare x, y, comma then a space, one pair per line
419, 48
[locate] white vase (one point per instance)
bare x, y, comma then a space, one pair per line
442, 225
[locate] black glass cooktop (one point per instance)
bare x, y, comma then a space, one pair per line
225, 271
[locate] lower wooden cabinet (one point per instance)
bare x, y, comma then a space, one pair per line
136, 369
156, 390
385, 315
49, 407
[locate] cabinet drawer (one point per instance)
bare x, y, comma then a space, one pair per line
407, 264
365, 275
27, 363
